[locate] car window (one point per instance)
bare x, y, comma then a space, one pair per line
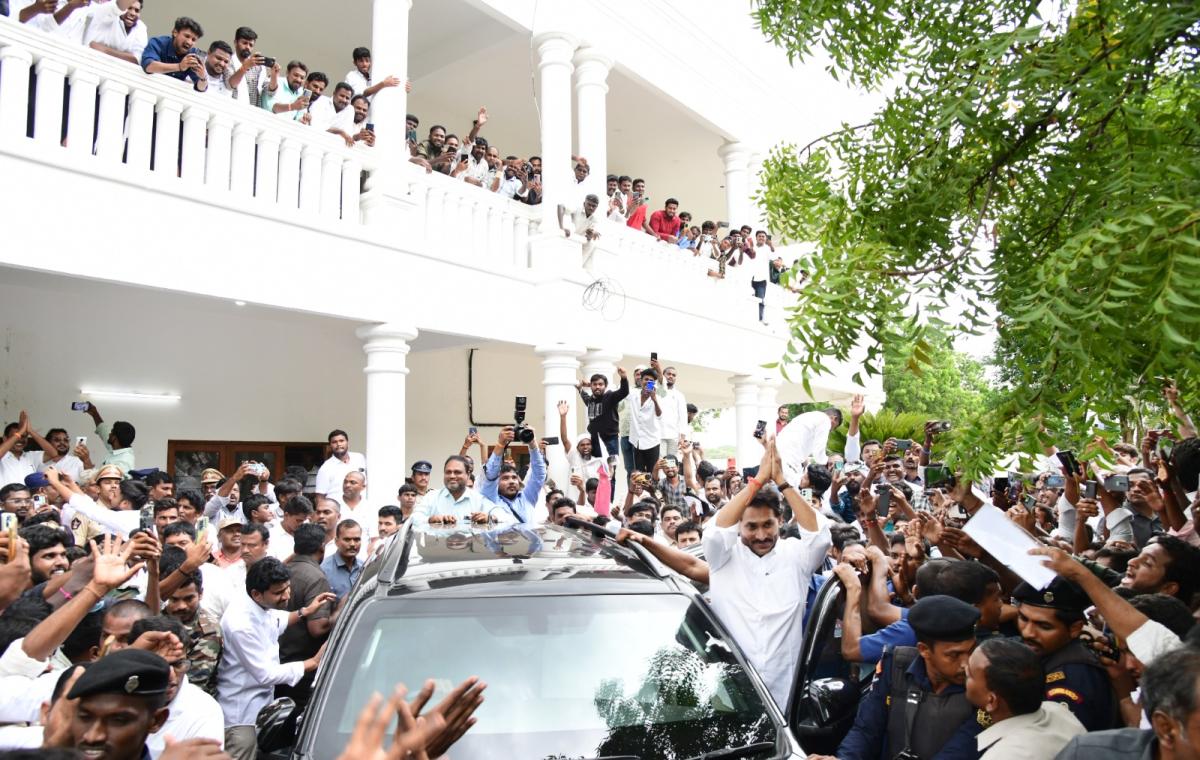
645, 675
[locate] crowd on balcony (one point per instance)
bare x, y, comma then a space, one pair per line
217, 592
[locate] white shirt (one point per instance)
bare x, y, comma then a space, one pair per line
219, 87
804, 438
70, 464
645, 428
326, 117
121, 522
235, 579
106, 27
194, 715
217, 591
333, 472
1039, 735
480, 170
281, 544
14, 469
761, 599
365, 514
250, 666
762, 263
674, 412
355, 79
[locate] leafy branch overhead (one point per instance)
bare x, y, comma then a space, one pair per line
1044, 170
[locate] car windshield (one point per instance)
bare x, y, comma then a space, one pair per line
643, 675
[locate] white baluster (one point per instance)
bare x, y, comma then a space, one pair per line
479, 221
331, 186
521, 243
494, 243
110, 129
351, 191
195, 125
141, 130
268, 168
289, 174
166, 135
216, 163
81, 112
241, 160
14, 91
311, 159
507, 232
47, 121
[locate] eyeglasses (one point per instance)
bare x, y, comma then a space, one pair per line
18, 501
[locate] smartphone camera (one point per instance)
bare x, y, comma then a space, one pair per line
760, 429
1089, 490
268, 62
1116, 483
79, 406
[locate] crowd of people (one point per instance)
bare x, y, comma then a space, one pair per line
220, 598
237, 70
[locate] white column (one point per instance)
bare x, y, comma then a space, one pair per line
219, 149
241, 163
555, 50
737, 185
311, 161
166, 133
195, 132
745, 407
47, 122
110, 134
141, 130
81, 112
560, 372
385, 202
591, 90
386, 347
758, 216
267, 169
14, 91
768, 402
331, 186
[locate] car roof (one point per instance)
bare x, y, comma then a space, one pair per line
514, 560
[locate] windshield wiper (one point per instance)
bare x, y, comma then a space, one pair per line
746, 751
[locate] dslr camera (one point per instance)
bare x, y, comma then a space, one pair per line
521, 431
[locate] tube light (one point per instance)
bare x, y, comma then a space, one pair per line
132, 395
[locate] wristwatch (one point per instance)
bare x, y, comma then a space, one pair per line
301, 613
784, 486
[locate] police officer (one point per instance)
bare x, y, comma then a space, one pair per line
114, 705
917, 707
1051, 622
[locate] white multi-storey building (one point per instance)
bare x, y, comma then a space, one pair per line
230, 270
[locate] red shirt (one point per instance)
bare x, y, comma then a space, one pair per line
637, 217
663, 227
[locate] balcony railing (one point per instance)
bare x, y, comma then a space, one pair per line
77, 108
74, 103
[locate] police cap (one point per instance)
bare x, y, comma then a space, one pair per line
134, 672
1061, 594
943, 618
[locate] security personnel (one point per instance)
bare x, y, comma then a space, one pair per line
917, 707
122, 700
1051, 621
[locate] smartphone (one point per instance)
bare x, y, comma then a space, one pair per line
807, 494
1068, 460
551, 441
1116, 483
904, 444
839, 466
201, 526
81, 440
7, 520
371, 128
883, 500
1055, 481
649, 386
1030, 501
268, 61
760, 429
1089, 490
653, 356
146, 519
472, 430
39, 502
938, 476
999, 484
80, 406
10, 524
1165, 448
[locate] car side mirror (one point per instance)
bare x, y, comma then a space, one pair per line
276, 725
831, 700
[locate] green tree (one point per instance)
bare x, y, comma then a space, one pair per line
1047, 166
950, 386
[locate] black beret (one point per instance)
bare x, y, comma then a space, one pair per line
135, 672
943, 618
1061, 594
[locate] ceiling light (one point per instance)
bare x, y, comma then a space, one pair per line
131, 395
239, 303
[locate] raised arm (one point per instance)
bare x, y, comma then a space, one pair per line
851, 614
563, 408
685, 564
731, 514
1187, 428
803, 513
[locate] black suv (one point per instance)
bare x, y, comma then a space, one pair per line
590, 649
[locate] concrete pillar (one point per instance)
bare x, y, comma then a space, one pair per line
386, 201
555, 51
560, 372
745, 407
597, 361
768, 402
737, 184
591, 91
386, 347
